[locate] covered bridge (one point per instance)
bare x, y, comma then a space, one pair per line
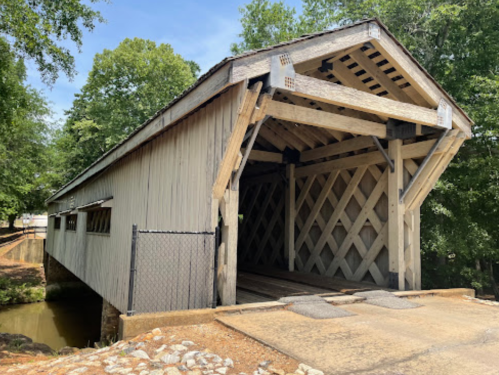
313, 158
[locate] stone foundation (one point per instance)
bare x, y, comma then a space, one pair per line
110, 322
55, 272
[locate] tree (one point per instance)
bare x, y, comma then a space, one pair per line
264, 24
23, 142
37, 28
456, 41
125, 87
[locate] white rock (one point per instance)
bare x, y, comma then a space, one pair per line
189, 355
111, 369
170, 359
228, 362
157, 372
144, 372
156, 331
161, 348
93, 358
124, 371
314, 372
262, 371
216, 359
139, 354
141, 365
304, 367
172, 371
187, 343
140, 345
202, 361
190, 363
80, 370
111, 360
299, 372
157, 338
179, 347
221, 370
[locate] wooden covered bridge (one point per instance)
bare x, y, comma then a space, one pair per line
312, 156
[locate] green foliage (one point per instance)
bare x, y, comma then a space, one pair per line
264, 24
125, 87
11, 293
39, 27
456, 41
23, 139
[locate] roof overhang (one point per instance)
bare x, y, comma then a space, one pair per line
303, 51
103, 203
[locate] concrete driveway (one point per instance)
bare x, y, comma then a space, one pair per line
444, 336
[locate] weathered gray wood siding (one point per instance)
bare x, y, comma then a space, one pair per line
164, 185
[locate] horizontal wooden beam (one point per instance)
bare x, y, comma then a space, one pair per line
412, 151
302, 115
333, 93
258, 155
338, 148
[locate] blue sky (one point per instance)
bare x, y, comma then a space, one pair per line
199, 30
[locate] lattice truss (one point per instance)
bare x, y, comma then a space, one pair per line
341, 216
261, 224
340, 224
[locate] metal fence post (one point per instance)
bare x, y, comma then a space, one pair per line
130, 311
215, 286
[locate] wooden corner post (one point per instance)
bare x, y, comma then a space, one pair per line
290, 213
227, 261
396, 213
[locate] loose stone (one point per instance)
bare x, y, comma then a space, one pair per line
161, 348
228, 362
265, 364
190, 363
182, 368
157, 338
187, 343
221, 370
80, 370
314, 372
156, 331
202, 361
304, 367
140, 354
144, 372
178, 347
157, 372
170, 359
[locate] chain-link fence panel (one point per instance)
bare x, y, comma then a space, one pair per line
172, 271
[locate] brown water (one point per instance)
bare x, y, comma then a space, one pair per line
63, 323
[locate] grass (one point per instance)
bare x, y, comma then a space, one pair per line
11, 293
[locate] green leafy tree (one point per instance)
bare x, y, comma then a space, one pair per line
23, 142
264, 24
38, 28
456, 41
125, 87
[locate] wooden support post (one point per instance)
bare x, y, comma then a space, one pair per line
416, 245
396, 218
290, 213
227, 266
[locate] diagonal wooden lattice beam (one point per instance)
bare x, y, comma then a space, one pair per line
357, 226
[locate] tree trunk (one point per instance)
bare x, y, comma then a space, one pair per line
478, 267
12, 219
495, 287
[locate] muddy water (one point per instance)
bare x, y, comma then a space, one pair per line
57, 324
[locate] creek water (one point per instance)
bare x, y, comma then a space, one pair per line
62, 323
